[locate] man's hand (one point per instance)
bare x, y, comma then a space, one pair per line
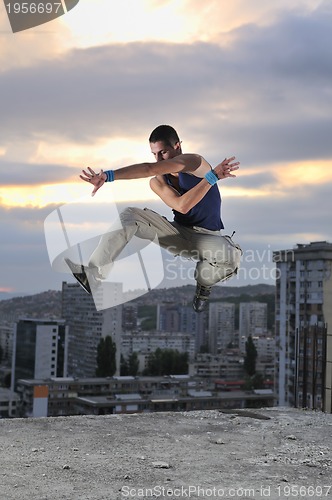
97, 180
224, 169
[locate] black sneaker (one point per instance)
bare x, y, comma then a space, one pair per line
79, 273
201, 297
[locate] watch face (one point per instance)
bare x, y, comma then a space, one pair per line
24, 15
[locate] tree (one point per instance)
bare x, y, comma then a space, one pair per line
106, 364
258, 381
167, 362
124, 370
133, 364
250, 357
129, 366
254, 382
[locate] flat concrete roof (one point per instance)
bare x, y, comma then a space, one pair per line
107, 380
261, 453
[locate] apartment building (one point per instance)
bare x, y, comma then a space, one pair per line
221, 326
6, 341
9, 401
253, 319
87, 326
228, 365
304, 326
117, 395
40, 349
175, 317
145, 343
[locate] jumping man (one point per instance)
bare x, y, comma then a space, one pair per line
188, 185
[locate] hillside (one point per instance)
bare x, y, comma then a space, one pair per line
41, 305
48, 304
184, 295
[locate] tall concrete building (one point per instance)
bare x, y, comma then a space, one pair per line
195, 324
168, 317
129, 317
221, 326
173, 317
6, 342
304, 326
253, 319
87, 326
40, 349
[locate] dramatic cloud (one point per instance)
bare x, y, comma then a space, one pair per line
267, 96
257, 86
26, 174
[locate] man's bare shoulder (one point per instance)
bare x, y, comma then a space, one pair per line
189, 155
196, 164
184, 162
191, 161
188, 159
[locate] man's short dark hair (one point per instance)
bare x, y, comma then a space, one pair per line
166, 134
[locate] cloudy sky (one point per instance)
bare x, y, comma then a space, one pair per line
246, 78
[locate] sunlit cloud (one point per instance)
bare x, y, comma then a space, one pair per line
303, 173
219, 17
103, 154
273, 182
37, 196
41, 196
96, 22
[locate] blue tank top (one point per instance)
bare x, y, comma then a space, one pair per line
207, 211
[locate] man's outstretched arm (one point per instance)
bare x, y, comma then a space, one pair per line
182, 163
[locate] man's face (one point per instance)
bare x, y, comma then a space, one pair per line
161, 151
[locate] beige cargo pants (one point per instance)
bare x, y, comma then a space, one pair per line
217, 256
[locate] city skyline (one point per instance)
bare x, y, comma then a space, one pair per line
87, 89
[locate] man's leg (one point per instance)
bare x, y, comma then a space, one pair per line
219, 260
143, 223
